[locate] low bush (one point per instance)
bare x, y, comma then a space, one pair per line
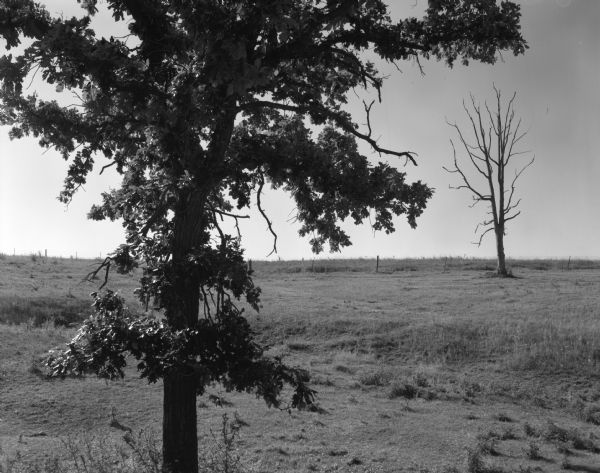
402, 389
380, 377
532, 451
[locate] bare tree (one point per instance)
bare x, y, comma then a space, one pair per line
495, 135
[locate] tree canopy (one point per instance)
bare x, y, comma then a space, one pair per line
199, 107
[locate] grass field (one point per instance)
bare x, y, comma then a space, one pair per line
425, 366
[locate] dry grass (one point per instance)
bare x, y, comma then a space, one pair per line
546, 321
36, 290
466, 350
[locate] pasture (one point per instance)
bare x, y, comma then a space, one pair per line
425, 366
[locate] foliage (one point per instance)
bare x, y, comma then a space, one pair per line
219, 350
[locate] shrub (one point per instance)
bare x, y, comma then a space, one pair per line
582, 443
532, 451
591, 414
344, 369
503, 417
508, 434
475, 463
554, 432
530, 430
405, 390
380, 377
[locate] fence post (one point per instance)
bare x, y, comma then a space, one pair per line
250, 265
45, 253
377, 266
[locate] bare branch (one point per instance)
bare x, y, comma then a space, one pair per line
506, 219
262, 212
509, 208
336, 118
107, 166
509, 205
227, 214
207, 312
368, 112
93, 274
472, 156
467, 184
478, 243
484, 224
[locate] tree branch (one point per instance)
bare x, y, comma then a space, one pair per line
262, 212
467, 185
478, 243
93, 274
107, 166
337, 118
509, 205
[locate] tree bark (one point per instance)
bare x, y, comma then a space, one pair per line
180, 438
180, 430
501, 269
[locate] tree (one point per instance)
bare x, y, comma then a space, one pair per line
495, 136
198, 109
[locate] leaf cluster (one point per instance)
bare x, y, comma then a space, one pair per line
220, 350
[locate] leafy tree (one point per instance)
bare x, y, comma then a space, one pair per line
203, 105
491, 149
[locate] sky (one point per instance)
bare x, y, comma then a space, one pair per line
557, 98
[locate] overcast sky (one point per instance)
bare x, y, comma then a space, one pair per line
557, 97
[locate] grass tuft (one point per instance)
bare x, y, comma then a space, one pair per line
532, 451
379, 377
531, 431
404, 390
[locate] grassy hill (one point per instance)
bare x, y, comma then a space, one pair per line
414, 365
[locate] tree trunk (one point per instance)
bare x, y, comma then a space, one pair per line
180, 439
501, 269
190, 231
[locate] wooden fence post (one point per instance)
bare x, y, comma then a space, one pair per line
377, 266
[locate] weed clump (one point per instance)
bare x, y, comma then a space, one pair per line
475, 463
565, 437
531, 431
554, 432
591, 414
503, 417
404, 390
380, 377
532, 451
